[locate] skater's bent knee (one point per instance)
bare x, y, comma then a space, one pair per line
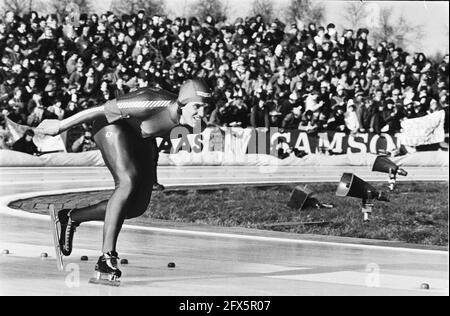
138, 208
139, 204
136, 213
128, 183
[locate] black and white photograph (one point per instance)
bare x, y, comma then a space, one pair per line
224, 154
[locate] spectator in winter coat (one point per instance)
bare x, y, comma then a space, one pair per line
292, 120
378, 119
308, 123
351, 118
259, 116
366, 116
84, 143
39, 114
25, 144
337, 120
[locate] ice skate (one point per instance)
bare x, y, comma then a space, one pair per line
106, 271
56, 229
68, 228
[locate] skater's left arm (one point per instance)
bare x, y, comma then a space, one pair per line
55, 127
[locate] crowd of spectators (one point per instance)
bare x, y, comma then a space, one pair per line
264, 73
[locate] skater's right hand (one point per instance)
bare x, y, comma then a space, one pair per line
49, 127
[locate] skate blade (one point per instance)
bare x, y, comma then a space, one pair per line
104, 282
55, 233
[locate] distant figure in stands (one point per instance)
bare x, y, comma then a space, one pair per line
25, 144
84, 143
124, 130
3, 138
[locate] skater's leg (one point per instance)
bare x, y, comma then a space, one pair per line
145, 164
147, 156
138, 201
94, 212
108, 146
129, 159
141, 197
118, 146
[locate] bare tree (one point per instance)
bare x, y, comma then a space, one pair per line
65, 7
19, 7
355, 13
437, 57
263, 8
215, 8
151, 7
30, 5
305, 11
397, 30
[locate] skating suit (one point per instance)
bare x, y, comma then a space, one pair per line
149, 111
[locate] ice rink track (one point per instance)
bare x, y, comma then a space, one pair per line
209, 261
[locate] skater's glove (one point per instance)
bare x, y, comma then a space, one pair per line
49, 127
